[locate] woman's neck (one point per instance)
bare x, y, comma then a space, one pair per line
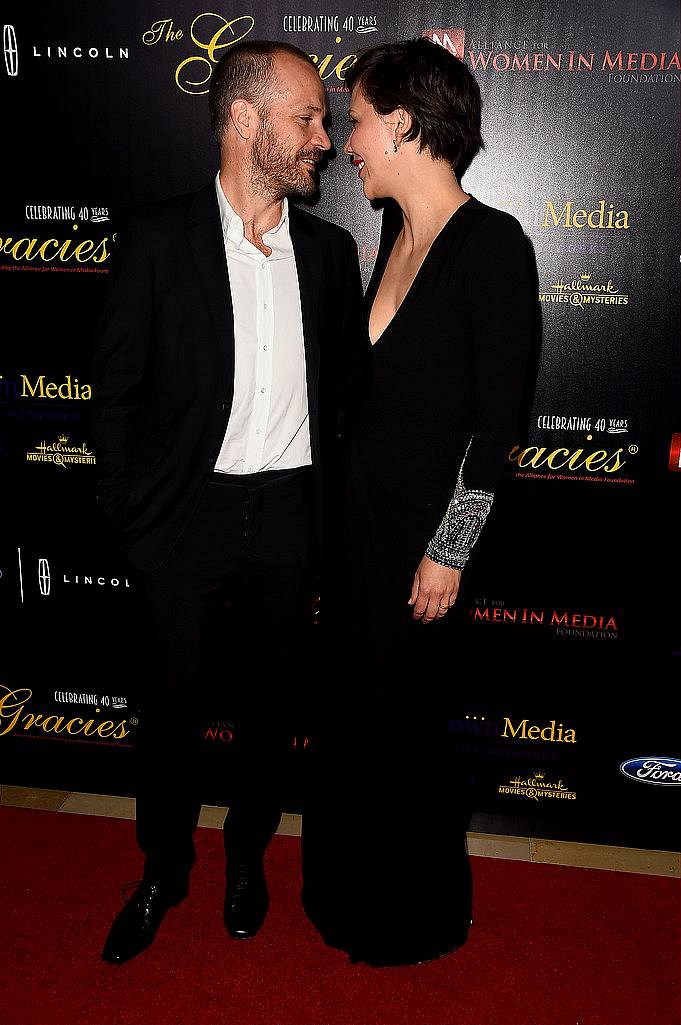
427, 202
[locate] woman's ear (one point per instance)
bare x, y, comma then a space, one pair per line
403, 123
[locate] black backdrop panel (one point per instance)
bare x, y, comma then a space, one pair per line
565, 640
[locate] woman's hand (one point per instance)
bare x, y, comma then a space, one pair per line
434, 591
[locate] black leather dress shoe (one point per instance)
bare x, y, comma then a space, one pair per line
246, 898
136, 925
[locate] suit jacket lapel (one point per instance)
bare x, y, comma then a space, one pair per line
309, 268
208, 249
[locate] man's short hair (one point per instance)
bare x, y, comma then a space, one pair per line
245, 73
434, 86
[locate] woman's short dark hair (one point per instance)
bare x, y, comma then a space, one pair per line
434, 86
245, 72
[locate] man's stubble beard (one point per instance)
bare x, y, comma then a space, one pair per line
275, 172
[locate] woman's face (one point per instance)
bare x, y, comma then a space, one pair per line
371, 146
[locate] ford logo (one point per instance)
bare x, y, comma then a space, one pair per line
664, 771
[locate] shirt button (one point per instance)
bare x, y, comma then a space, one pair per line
258, 431
264, 348
263, 390
265, 305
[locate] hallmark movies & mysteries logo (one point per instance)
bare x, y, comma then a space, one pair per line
536, 787
582, 291
61, 453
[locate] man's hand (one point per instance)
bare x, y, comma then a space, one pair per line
434, 591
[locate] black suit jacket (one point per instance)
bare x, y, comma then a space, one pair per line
163, 366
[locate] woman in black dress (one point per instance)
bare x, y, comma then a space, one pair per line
448, 323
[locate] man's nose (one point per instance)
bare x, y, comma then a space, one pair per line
322, 140
347, 148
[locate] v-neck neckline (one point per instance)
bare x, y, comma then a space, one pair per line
437, 237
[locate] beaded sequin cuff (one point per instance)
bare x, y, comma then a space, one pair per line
461, 526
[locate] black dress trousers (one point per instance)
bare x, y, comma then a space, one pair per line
229, 614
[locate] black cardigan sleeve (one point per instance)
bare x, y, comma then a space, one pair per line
498, 292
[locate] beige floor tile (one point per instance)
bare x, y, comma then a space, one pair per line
290, 824
495, 845
28, 797
615, 859
100, 804
212, 816
487, 845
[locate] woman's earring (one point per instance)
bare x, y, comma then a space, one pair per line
394, 145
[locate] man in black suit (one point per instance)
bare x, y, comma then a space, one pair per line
217, 363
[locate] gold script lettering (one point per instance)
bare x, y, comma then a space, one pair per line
235, 30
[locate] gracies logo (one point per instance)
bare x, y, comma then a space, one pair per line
211, 34
16, 719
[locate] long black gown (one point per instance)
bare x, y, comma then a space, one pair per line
385, 870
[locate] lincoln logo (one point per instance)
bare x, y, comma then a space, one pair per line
9, 42
44, 576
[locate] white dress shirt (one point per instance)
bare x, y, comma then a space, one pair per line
268, 426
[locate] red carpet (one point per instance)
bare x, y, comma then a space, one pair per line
550, 946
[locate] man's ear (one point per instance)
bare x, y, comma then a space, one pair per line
242, 115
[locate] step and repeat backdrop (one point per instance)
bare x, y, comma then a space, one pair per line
566, 635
